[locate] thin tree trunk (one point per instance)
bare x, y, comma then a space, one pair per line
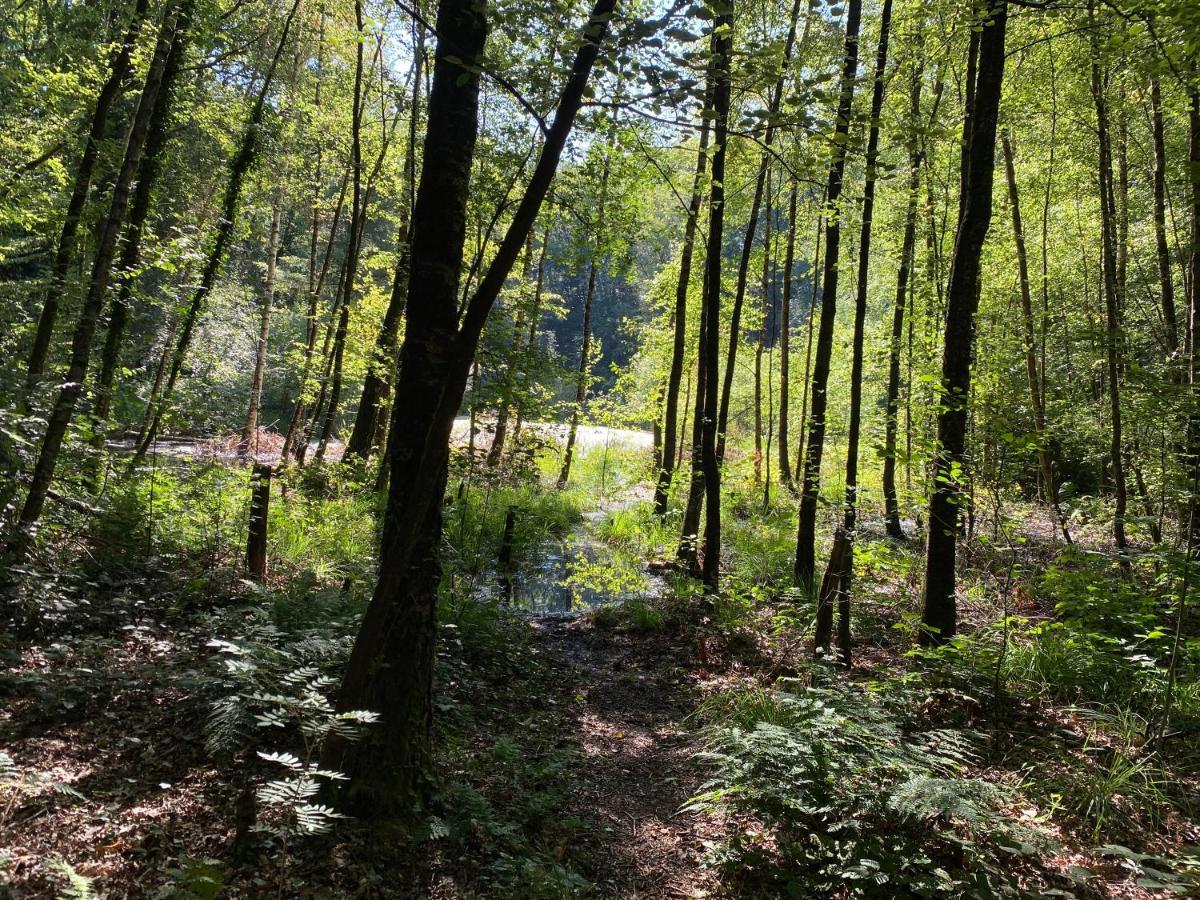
722, 52
761, 343
357, 216
940, 615
1162, 253
508, 378
785, 344
583, 373
296, 433
666, 471
836, 584
806, 532
814, 273
230, 205
64, 252
250, 431
1112, 306
1193, 283
908, 250
131, 243
108, 233
1031, 365
752, 226
373, 406
535, 316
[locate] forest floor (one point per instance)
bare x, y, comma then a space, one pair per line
118, 727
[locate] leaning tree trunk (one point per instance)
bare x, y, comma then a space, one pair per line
836, 585
806, 532
1031, 366
722, 52
391, 666
373, 406
131, 244
940, 614
670, 429
65, 250
230, 205
108, 233
357, 216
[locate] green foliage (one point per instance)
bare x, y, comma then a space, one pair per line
853, 800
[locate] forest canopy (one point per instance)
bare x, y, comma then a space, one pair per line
720, 448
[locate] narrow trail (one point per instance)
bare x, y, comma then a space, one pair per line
631, 697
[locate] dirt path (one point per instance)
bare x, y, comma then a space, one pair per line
632, 696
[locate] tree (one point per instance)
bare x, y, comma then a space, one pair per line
939, 618
806, 533
109, 232
391, 665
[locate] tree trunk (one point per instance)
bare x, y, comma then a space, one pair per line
296, 427
762, 339
250, 431
108, 234
1193, 282
357, 216
666, 471
65, 251
841, 565
1162, 253
131, 242
752, 226
230, 205
373, 406
940, 616
391, 666
1031, 367
256, 541
1113, 302
785, 344
903, 273
722, 52
583, 373
814, 273
806, 532
535, 316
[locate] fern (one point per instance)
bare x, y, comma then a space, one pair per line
76, 886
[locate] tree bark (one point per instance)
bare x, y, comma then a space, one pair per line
722, 52
835, 588
1031, 366
373, 406
806, 532
785, 342
250, 431
583, 374
903, 273
670, 429
131, 242
940, 615
1113, 303
108, 234
64, 252
230, 205
391, 666
1162, 253
752, 226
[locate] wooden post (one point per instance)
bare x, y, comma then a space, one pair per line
505, 559
260, 501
